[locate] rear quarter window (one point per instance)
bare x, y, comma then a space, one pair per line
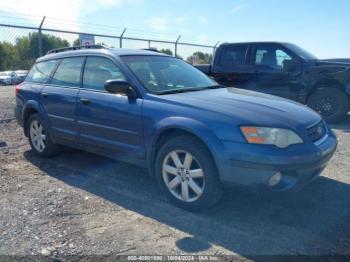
40, 72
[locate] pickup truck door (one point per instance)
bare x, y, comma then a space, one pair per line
231, 67
268, 74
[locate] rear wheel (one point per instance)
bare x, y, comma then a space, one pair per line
187, 174
331, 103
39, 138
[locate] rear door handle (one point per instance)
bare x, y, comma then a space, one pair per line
85, 101
44, 94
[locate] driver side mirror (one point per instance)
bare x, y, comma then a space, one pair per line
120, 87
290, 65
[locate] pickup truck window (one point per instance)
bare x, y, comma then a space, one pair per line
271, 57
301, 52
233, 55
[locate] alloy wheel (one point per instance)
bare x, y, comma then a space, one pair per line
37, 136
183, 175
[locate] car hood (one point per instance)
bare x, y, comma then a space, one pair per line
344, 65
248, 107
340, 61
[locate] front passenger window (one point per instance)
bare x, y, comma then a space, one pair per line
98, 70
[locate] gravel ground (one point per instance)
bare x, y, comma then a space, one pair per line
79, 203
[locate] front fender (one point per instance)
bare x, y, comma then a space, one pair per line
191, 126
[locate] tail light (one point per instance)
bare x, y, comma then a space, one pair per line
18, 87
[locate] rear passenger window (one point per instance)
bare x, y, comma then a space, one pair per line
98, 70
68, 72
41, 72
233, 55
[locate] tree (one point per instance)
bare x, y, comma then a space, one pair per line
200, 57
76, 42
8, 56
23, 53
166, 51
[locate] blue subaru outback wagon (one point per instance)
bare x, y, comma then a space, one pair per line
157, 111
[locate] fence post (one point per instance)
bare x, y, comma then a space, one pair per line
176, 42
214, 47
121, 39
40, 39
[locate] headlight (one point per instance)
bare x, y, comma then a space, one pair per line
270, 136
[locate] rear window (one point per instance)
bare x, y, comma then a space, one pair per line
233, 55
41, 72
68, 72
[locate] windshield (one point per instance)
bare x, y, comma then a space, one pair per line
162, 74
301, 52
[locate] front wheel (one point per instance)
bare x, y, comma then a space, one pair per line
187, 174
331, 103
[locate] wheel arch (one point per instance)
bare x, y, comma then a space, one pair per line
31, 107
325, 83
188, 127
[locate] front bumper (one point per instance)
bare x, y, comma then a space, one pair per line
254, 165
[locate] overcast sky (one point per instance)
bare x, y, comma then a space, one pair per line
320, 26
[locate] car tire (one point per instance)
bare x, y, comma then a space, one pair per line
331, 103
187, 174
39, 137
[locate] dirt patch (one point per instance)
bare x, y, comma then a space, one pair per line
79, 203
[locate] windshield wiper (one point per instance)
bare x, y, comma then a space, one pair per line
192, 89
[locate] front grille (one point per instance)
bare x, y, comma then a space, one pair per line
316, 132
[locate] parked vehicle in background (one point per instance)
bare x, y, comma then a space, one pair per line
159, 112
21, 74
5, 79
285, 70
9, 78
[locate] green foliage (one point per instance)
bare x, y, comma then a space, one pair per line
8, 56
76, 42
23, 53
201, 58
166, 51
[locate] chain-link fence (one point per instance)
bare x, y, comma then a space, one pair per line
22, 43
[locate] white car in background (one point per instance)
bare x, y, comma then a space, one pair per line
8, 78
21, 74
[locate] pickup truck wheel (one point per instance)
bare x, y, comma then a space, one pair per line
331, 103
187, 174
39, 137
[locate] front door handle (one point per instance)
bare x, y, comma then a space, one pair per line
44, 94
85, 101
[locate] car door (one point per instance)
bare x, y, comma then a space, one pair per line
269, 76
108, 122
59, 98
231, 67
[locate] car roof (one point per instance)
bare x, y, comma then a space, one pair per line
102, 51
254, 43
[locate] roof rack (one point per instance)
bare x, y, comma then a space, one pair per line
77, 47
